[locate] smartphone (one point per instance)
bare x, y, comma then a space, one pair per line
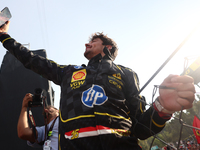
5, 15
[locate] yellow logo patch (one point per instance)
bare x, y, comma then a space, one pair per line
118, 76
79, 75
78, 78
77, 84
116, 84
75, 134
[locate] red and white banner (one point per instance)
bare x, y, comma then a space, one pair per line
94, 131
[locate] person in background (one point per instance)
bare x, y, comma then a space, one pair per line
27, 133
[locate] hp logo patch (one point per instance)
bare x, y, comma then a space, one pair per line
94, 96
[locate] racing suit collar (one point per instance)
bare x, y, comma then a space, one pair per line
95, 59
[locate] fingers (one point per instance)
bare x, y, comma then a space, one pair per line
186, 104
169, 78
28, 95
178, 79
185, 87
5, 27
181, 83
7, 22
182, 79
27, 98
182, 95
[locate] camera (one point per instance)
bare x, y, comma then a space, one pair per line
38, 98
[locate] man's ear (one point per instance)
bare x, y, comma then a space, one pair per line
109, 47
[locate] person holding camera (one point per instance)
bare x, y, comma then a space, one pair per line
100, 107
27, 133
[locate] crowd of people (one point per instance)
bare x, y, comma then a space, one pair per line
189, 145
184, 145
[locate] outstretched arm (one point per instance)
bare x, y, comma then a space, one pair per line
23, 129
40, 65
177, 94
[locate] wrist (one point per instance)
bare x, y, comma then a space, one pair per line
1, 33
160, 108
24, 108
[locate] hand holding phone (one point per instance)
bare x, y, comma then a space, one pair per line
5, 15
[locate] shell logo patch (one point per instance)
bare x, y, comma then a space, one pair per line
79, 75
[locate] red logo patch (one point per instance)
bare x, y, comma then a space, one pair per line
79, 75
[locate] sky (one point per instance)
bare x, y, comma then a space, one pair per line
147, 32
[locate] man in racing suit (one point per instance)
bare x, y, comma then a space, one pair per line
99, 105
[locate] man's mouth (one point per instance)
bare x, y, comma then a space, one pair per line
88, 47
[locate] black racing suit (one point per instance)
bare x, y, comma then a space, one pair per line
98, 106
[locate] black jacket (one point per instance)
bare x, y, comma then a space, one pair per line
99, 108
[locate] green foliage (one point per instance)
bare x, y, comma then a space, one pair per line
171, 132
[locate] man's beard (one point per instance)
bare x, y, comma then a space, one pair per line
86, 54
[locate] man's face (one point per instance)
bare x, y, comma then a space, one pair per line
93, 48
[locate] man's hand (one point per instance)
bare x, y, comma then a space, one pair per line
23, 129
5, 27
26, 99
182, 96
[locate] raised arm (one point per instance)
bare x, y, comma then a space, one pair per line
23, 129
42, 66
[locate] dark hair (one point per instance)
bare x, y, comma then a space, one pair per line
106, 41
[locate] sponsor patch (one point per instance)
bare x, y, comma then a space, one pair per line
94, 131
78, 75
118, 76
94, 96
78, 78
78, 67
116, 84
77, 84
74, 134
115, 79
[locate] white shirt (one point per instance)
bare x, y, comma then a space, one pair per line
41, 133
